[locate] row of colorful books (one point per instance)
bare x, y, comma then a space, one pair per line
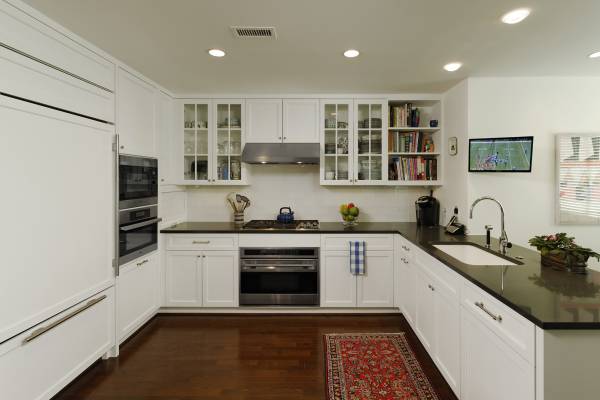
404, 142
412, 169
404, 115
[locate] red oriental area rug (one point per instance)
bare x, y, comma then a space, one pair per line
373, 367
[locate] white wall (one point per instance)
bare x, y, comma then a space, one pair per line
541, 107
275, 186
455, 122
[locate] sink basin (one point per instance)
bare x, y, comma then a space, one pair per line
472, 254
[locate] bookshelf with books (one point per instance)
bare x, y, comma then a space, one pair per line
414, 142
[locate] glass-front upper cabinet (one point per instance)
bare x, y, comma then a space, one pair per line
336, 141
229, 117
196, 141
369, 141
212, 140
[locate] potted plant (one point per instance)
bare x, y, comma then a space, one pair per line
560, 251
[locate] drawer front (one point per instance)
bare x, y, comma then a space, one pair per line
280, 240
516, 331
24, 33
39, 368
449, 280
202, 242
25, 78
373, 242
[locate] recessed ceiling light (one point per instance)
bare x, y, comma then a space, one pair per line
516, 16
351, 53
216, 52
453, 66
595, 55
263, 162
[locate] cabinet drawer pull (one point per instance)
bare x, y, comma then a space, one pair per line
405, 248
39, 332
480, 305
142, 263
201, 242
431, 287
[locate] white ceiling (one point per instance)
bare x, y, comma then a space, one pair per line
403, 43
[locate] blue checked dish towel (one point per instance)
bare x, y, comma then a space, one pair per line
357, 257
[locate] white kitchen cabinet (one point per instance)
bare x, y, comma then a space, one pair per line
491, 369
209, 142
437, 315
137, 294
340, 288
425, 318
370, 142
406, 277
338, 285
301, 120
337, 141
183, 279
20, 30
264, 120
166, 138
202, 279
353, 143
136, 121
376, 287
446, 338
38, 363
220, 278
50, 264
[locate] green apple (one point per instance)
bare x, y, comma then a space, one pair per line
344, 209
353, 211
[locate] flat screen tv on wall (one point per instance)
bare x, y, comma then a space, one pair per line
501, 154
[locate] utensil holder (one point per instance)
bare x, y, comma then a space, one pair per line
238, 218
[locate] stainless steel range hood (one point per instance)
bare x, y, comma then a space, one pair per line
281, 153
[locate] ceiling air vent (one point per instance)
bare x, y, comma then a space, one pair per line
261, 32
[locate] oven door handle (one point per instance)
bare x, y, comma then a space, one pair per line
131, 227
276, 269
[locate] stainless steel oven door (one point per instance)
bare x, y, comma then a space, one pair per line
279, 282
138, 181
138, 233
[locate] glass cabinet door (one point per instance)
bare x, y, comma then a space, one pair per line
337, 142
196, 139
228, 143
369, 142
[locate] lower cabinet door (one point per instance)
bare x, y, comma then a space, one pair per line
376, 287
220, 278
137, 294
447, 334
338, 285
41, 361
407, 290
425, 318
183, 283
491, 370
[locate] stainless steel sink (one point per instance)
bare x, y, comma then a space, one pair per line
473, 254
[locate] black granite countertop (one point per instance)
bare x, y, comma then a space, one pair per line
548, 298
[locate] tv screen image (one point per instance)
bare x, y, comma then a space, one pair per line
509, 154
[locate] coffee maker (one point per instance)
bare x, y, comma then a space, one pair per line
428, 210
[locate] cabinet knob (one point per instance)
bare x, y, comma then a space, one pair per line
122, 147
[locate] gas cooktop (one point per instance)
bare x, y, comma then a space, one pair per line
267, 224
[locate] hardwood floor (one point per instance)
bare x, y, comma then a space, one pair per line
189, 357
